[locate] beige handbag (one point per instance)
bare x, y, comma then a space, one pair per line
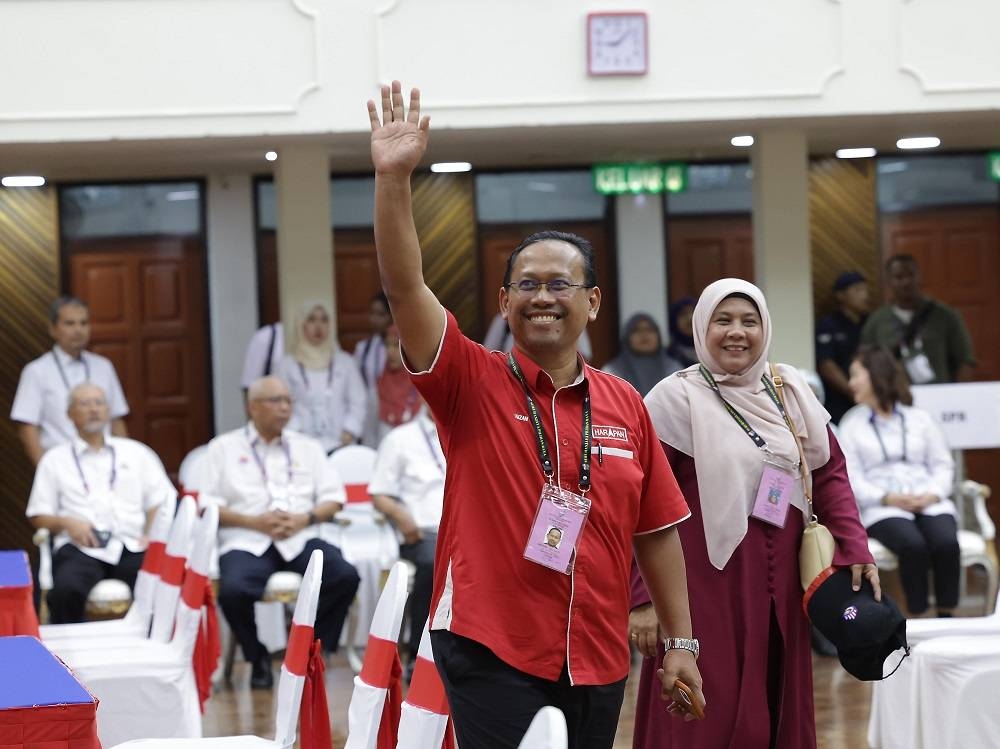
816, 551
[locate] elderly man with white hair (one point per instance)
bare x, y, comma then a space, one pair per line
274, 487
96, 495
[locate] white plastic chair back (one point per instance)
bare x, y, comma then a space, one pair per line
365, 711
547, 731
424, 725
191, 474
168, 587
292, 678
354, 464
195, 579
152, 564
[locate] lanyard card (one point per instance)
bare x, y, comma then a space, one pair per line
557, 528
774, 495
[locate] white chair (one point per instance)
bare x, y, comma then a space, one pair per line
976, 548
547, 731
423, 721
149, 688
191, 474
290, 683
139, 616
373, 685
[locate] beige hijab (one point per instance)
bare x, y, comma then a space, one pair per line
308, 355
689, 416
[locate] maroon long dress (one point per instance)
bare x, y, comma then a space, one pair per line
755, 639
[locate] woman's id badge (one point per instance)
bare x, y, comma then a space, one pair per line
557, 528
774, 495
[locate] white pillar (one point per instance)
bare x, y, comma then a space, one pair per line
642, 258
781, 242
305, 251
232, 283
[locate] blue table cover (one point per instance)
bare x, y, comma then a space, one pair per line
30, 675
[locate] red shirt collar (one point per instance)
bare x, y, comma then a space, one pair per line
538, 378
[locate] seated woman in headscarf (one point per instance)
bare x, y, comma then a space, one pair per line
728, 437
328, 394
642, 360
681, 345
902, 474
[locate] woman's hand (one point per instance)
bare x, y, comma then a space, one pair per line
870, 573
644, 629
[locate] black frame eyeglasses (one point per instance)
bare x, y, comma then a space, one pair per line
558, 287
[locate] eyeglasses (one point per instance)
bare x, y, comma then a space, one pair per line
276, 400
557, 288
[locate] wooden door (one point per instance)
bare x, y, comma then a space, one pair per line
703, 249
148, 316
495, 245
958, 253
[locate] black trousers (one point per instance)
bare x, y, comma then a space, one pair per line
243, 577
493, 703
926, 543
74, 574
422, 555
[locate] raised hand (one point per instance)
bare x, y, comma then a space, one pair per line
399, 139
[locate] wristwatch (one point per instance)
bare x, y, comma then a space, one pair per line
312, 518
682, 643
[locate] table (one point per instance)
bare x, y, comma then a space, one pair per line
17, 610
41, 702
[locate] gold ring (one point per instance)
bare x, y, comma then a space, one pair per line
635, 636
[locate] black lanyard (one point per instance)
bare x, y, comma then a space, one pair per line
738, 417
430, 446
878, 435
329, 374
543, 447
62, 373
83, 479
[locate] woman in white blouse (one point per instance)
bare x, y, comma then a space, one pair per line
902, 474
328, 394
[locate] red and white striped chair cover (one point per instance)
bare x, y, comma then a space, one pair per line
373, 715
547, 730
424, 721
151, 688
299, 679
137, 620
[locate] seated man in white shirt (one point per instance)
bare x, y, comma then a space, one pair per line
39, 405
97, 496
407, 486
274, 487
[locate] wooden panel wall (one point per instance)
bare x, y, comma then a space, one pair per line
29, 280
843, 221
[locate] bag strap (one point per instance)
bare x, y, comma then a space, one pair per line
806, 474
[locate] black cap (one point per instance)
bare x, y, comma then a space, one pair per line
864, 631
847, 278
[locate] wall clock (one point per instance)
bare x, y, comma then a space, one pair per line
617, 44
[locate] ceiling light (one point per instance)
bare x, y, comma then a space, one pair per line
271, 155
856, 153
742, 141
22, 181
443, 167
924, 142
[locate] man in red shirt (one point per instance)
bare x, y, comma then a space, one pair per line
533, 440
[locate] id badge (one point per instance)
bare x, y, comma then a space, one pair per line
774, 495
557, 528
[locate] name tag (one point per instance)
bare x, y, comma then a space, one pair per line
774, 495
557, 528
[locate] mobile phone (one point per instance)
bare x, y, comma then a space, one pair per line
687, 701
102, 537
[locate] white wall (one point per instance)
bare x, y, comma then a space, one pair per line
190, 68
642, 258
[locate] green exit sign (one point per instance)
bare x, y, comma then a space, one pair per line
994, 162
634, 179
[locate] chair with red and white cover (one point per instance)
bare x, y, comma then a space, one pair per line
139, 616
301, 682
424, 720
547, 730
151, 688
374, 712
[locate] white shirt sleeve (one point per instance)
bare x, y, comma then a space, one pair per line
215, 462
156, 486
940, 463
387, 471
329, 486
44, 497
257, 351
355, 396
116, 396
27, 405
867, 493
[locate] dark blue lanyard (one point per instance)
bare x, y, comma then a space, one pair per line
329, 374
62, 373
83, 479
878, 435
260, 462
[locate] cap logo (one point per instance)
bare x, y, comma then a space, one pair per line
850, 613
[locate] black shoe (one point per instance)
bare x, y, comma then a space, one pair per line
260, 676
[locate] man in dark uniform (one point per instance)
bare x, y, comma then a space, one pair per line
837, 338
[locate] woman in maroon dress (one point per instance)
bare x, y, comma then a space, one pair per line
741, 542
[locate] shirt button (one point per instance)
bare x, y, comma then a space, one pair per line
565, 442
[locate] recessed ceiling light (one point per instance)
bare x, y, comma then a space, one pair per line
443, 167
856, 153
271, 155
909, 144
742, 141
23, 180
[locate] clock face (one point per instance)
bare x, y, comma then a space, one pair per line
616, 44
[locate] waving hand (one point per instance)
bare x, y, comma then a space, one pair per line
399, 139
